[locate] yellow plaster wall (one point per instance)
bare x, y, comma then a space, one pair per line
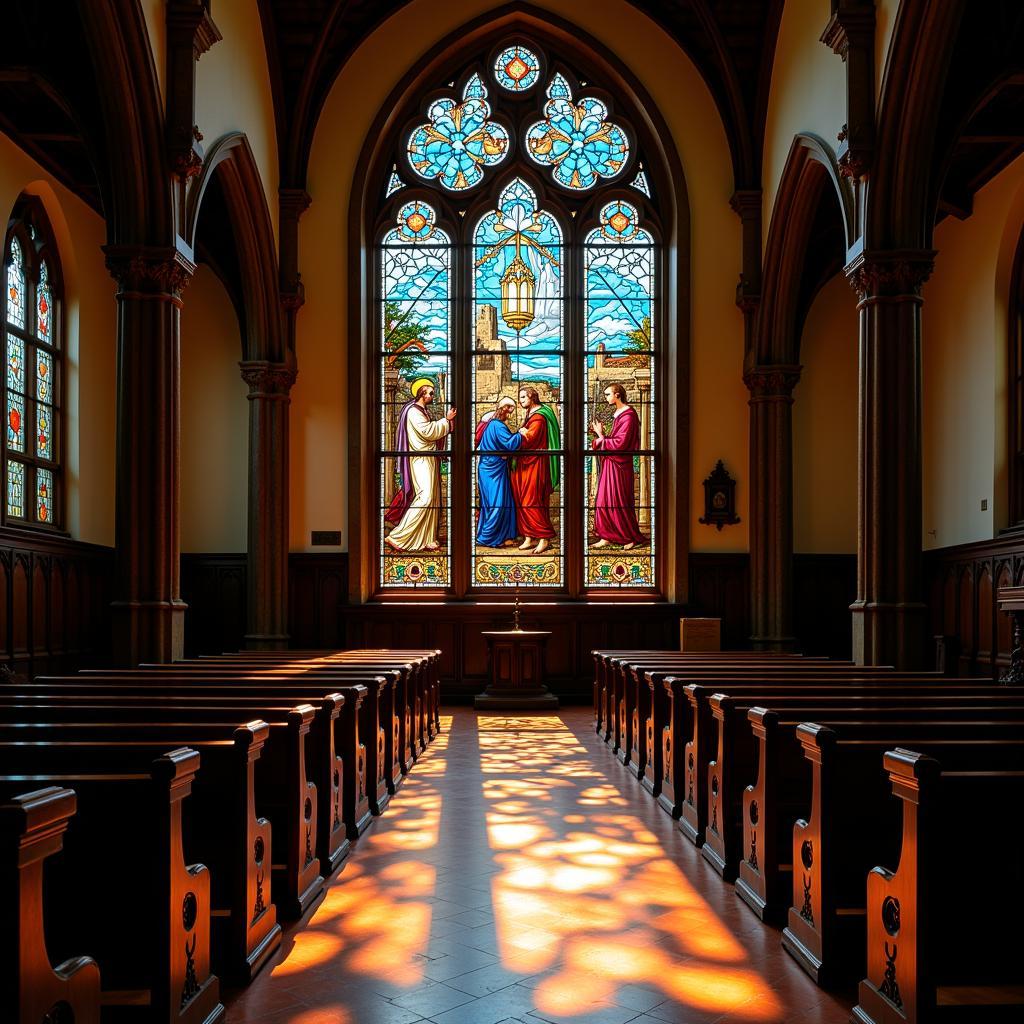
825, 426
214, 421
808, 92
718, 413
90, 326
233, 90
964, 322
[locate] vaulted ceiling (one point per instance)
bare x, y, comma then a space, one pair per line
731, 42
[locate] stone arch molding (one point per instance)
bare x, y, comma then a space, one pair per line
811, 168
231, 159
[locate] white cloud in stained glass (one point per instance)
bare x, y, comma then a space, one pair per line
458, 141
576, 140
16, 284
394, 183
44, 305
15, 489
44, 496
516, 68
640, 183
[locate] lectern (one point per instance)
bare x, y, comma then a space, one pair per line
1011, 600
516, 669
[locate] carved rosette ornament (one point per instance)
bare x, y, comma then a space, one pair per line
268, 380
772, 383
144, 270
892, 273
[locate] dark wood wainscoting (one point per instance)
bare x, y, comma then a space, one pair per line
962, 583
213, 587
456, 628
824, 587
54, 603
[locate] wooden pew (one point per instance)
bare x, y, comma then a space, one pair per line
382, 765
636, 728
315, 753
148, 923
781, 790
383, 692
937, 949
853, 825
288, 796
696, 721
32, 827
603, 681
735, 762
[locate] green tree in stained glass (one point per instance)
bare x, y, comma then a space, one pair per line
405, 341
639, 339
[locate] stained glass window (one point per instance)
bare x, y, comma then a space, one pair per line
32, 394
517, 430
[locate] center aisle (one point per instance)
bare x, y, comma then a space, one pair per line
521, 875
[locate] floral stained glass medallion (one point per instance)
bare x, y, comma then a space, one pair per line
516, 68
459, 140
16, 285
15, 489
44, 490
44, 441
576, 139
44, 376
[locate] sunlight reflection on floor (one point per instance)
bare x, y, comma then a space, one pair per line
594, 894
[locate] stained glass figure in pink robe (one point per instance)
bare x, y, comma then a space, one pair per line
615, 506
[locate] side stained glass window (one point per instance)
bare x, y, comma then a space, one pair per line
516, 341
620, 394
414, 322
32, 382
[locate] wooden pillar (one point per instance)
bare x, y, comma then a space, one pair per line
771, 504
267, 574
148, 613
889, 613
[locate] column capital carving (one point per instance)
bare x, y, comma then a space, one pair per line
294, 202
772, 382
149, 269
890, 272
266, 379
746, 202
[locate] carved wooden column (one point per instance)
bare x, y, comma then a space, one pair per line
293, 203
771, 504
148, 613
747, 205
267, 576
889, 614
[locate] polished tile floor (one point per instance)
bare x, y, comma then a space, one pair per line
520, 875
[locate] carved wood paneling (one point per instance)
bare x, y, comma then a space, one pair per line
963, 586
54, 603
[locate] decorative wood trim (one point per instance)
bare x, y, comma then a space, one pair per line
970, 634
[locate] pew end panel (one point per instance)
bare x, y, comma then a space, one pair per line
32, 827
